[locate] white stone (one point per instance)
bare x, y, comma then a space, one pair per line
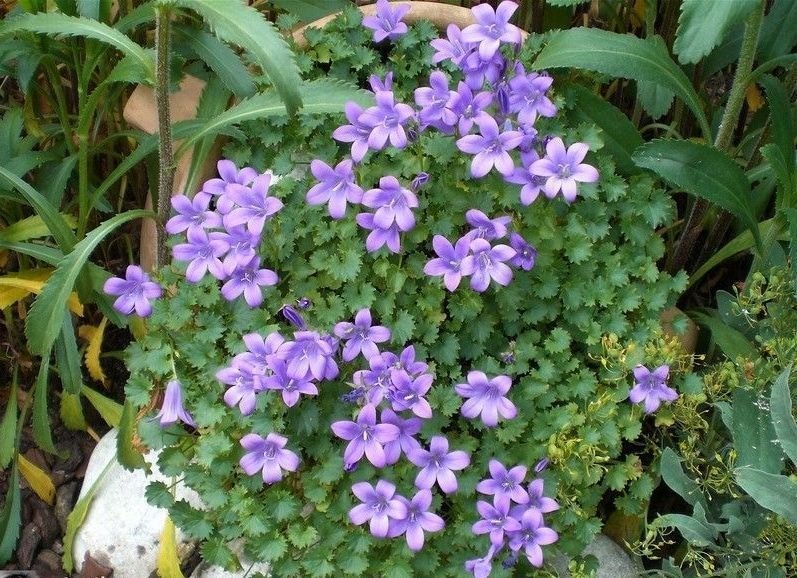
249, 569
121, 529
613, 562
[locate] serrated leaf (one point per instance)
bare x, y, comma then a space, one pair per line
780, 405
41, 419
67, 358
71, 411
702, 171
77, 516
37, 479
110, 411
168, 563
46, 314
22, 283
624, 56
309, 10
704, 23
190, 520
32, 227
128, 455
10, 517
771, 491
8, 427
781, 122
655, 99
56, 24
244, 26
94, 336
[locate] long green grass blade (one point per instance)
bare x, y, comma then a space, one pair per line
10, 517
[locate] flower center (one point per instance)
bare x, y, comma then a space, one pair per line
564, 171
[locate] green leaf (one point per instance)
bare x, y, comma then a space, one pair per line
780, 120
654, 98
110, 411
309, 10
320, 96
624, 56
32, 227
10, 516
41, 419
791, 217
67, 358
76, 517
704, 23
244, 26
620, 136
731, 341
129, 457
8, 427
190, 520
754, 434
771, 491
782, 419
702, 171
56, 24
673, 475
221, 59
694, 531
779, 30
72, 412
46, 313
777, 163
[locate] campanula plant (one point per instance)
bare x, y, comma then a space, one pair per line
425, 333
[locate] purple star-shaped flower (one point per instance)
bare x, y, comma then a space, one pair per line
504, 485
405, 442
244, 386
490, 147
386, 23
380, 85
337, 187
393, 204
470, 108
255, 207
267, 455
376, 380
407, 393
527, 97
290, 387
356, 132
365, 436
486, 263
538, 500
495, 521
361, 336
378, 236
417, 520
435, 101
386, 121
191, 214
242, 246
486, 398
452, 47
134, 292
651, 387
525, 253
449, 260
532, 183
438, 465
203, 255
563, 168
486, 228
482, 567
492, 27
531, 536
406, 361
248, 280
379, 507
172, 409
259, 351
230, 175
309, 352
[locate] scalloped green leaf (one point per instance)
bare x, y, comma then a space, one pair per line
704, 23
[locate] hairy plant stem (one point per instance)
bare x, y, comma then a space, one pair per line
166, 166
694, 223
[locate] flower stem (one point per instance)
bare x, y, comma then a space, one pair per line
165, 151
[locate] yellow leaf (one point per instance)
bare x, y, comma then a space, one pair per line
20, 284
38, 481
754, 98
168, 560
94, 336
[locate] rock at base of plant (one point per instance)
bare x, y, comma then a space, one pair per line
613, 562
249, 569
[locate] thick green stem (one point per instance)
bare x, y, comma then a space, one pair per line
166, 166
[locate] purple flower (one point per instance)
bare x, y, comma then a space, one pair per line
230, 175
479, 70
134, 292
337, 186
486, 263
255, 207
495, 521
387, 21
482, 567
269, 455
651, 387
406, 361
486, 398
259, 352
172, 409
379, 85
438, 465
192, 213
378, 505
405, 442
378, 236
563, 168
407, 392
527, 97
525, 254
531, 536
393, 204
470, 108
486, 228
449, 260
492, 27
452, 47
248, 280
386, 121
365, 436
435, 102
361, 336
309, 352
241, 243
417, 520
203, 255
532, 183
291, 387
490, 147
293, 317
504, 485
356, 133
537, 498
376, 380
244, 387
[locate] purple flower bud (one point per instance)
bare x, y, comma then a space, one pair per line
542, 465
293, 317
420, 180
304, 303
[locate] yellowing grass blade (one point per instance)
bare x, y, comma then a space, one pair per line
94, 337
30, 281
38, 481
168, 560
